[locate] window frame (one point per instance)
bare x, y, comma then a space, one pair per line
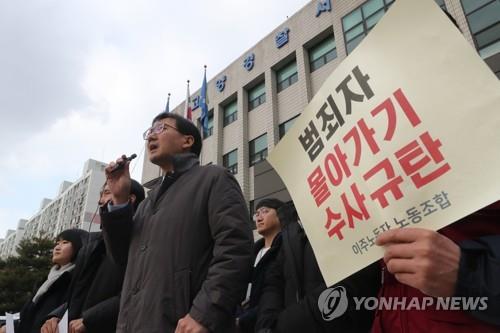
289, 80
231, 118
281, 132
233, 168
386, 4
259, 100
474, 34
323, 59
261, 154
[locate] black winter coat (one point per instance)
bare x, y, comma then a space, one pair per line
95, 289
33, 316
187, 249
479, 269
248, 317
289, 302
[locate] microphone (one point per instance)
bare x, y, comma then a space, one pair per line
121, 164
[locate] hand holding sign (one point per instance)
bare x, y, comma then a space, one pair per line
189, 325
422, 259
77, 326
50, 325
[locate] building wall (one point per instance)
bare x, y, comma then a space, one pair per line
8, 246
33, 226
305, 30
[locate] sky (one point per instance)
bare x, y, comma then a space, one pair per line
83, 79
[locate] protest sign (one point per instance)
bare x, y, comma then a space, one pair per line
403, 133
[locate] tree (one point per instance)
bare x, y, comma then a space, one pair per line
19, 276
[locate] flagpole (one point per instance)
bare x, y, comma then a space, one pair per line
187, 106
203, 106
167, 107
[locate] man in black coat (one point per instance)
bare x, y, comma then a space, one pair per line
265, 250
188, 247
293, 285
94, 294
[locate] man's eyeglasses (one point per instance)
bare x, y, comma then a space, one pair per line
260, 211
157, 129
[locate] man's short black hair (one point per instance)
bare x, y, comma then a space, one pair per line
137, 190
186, 127
270, 203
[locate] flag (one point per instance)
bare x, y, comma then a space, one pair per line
167, 107
187, 108
204, 105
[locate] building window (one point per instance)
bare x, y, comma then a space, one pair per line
230, 161
287, 75
257, 96
284, 127
230, 113
359, 22
210, 125
441, 4
258, 149
322, 53
484, 23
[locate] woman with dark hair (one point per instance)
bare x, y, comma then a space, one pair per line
53, 291
93, 301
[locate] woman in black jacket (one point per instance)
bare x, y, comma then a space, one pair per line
53, 291
93, 301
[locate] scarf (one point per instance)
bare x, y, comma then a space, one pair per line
55, 272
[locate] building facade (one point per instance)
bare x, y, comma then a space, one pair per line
75, 206
254, 101
12, 239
